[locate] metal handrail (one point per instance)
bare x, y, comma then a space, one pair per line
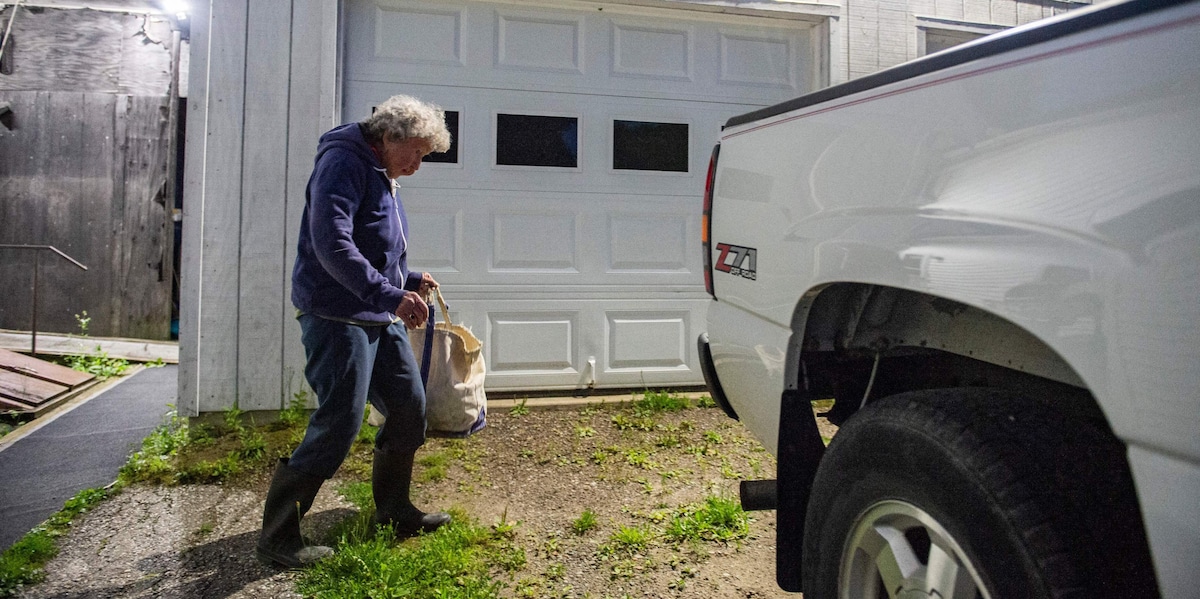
36, 268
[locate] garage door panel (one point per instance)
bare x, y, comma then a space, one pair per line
419, 34
532, 342
658, 52
650, 243
536, 42
690, 55
647, 340
534, 242
441, 238
487, 237
758, 59
547, 343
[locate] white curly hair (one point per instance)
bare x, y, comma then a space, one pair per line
405, 117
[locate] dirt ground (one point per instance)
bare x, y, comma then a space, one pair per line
540, 470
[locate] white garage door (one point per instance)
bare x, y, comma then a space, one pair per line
564, 224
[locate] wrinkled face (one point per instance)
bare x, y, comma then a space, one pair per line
403, 158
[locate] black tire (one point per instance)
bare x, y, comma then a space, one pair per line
1014, 496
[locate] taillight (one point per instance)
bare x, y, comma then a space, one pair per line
706, 221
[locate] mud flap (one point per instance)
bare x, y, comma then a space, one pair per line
800, 450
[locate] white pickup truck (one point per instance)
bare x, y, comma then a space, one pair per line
990, 258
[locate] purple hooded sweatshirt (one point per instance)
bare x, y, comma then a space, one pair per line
351, 260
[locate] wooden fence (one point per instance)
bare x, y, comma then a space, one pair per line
86, 172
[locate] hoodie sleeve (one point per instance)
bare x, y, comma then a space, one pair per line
413, 282
338, 186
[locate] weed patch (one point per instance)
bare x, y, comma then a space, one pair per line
450, 563
717, 519
520, 409
655, 402
585, 522
97, 363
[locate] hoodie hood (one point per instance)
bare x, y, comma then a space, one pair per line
348, 137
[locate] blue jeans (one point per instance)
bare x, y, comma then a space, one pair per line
347, 366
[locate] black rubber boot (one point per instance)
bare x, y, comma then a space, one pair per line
291, 495
391, 478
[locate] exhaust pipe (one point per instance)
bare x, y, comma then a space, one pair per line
758, 495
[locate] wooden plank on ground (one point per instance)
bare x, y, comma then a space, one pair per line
8, 405
41, 369
51, 344
28, 390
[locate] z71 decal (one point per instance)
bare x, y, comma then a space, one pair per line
737, 260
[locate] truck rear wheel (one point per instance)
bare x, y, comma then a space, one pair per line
965, 493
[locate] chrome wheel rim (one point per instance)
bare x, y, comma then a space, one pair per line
896, 550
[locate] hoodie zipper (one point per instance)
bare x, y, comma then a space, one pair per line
396, 209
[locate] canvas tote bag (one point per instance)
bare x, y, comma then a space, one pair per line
452, 369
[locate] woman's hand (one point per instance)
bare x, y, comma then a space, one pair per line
427, 284
412, 309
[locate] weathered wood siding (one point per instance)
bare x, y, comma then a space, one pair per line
88, 51
84, 168
86, 173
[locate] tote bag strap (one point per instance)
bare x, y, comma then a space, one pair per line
445, 311
427, 351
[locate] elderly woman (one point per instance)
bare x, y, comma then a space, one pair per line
354, 297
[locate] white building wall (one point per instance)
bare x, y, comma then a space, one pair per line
884, 33
263, 87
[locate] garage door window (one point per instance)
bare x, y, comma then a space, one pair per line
530, 140
647, 146
937, 40
451, 155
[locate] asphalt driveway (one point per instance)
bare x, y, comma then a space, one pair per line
80, 448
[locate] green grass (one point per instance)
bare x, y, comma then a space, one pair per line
22, 564
451, 563
97, 363
154, 462
628, 540
454, 562
172, 453
633, 423
717, 519
296, 413
667, 441
520, 409
585, 522
359, 493
654, 402
436, 467
177, 452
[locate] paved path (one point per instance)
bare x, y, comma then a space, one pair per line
81, 447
